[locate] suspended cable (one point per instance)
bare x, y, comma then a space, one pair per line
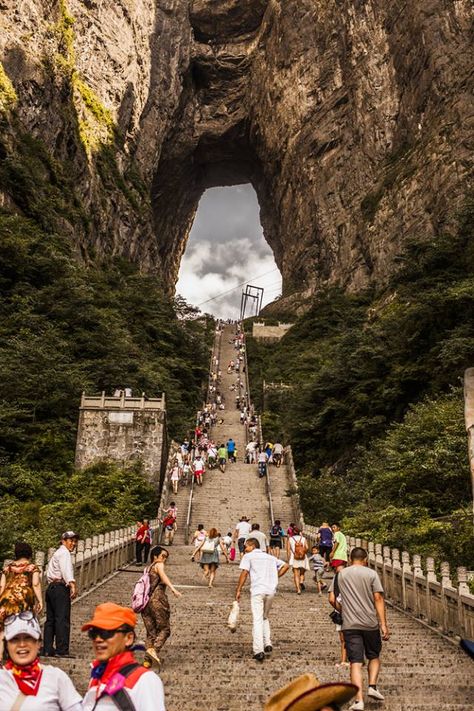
218, 296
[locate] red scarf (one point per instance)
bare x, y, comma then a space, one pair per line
28, 678
113, 666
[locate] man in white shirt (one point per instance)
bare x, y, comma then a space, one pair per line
241, 532
59, 593
264, 571
117, 680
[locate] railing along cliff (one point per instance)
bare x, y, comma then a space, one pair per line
411, 584
98, 557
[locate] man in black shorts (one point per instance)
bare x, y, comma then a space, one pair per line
364, 624
276, 539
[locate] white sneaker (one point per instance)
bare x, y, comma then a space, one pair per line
357, 706
375, 694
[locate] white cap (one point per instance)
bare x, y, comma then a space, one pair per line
20, 626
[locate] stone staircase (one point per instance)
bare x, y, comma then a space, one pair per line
207, 667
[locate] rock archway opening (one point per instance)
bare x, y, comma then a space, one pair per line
226, 249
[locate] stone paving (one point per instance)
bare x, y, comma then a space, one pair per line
208, 667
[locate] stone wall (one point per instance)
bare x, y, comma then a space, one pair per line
124, 436
353, 121
262, 332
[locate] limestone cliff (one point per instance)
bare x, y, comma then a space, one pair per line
353, 119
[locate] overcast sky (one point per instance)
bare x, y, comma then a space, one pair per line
226, 248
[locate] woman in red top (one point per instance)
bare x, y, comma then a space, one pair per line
143, 541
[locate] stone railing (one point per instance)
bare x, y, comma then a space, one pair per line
98, 557
122, 402
412, 585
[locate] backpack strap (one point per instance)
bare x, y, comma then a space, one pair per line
121, 698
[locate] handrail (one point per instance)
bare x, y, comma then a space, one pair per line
295, 497
97, 557
188, 517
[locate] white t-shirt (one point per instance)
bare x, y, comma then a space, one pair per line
243, 528
146, 695
262, 457
263, 571
56, 692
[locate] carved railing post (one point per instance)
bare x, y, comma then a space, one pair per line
371, 553
94, 559
79, 569
387, 568
430, 578
418, 583
445, 583
406, 574
465, 626
396, 575
87, 576
100, 557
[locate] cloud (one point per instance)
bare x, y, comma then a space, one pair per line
226, 248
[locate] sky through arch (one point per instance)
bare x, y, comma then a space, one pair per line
226, 248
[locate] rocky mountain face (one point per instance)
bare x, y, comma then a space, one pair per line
353, 120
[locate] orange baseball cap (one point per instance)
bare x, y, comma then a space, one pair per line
109, 616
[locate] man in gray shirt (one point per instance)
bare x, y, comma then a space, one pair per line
357, 593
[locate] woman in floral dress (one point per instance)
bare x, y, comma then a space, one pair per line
20, 587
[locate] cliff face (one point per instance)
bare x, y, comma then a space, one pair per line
353, 120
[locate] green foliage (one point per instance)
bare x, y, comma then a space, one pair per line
375, 411
38, 506
8, 97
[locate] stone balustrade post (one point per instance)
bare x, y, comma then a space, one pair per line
418, 583
107, 553
100, 557
113, 551
79, 569
371, 553
445, 583
396, 576
87, 578
445, 575
463, 587
364, 544
406, 574
462, 617
94, 559
358, 542
387, 567
430, 578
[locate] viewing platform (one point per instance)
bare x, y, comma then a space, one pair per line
122, 402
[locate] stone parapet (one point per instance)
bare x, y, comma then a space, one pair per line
414, 585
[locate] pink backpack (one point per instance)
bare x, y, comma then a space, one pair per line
141, 592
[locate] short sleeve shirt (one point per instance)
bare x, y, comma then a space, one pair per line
56, 692
243, 528
263, 571
341, 551
357, 585
146, 695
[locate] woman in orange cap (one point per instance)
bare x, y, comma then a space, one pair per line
117, 680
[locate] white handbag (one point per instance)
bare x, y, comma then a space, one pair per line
233, 619
208, 546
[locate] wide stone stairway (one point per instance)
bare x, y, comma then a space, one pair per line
207, 668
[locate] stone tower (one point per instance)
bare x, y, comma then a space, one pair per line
123, 429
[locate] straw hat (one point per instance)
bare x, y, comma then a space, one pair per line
306, 693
